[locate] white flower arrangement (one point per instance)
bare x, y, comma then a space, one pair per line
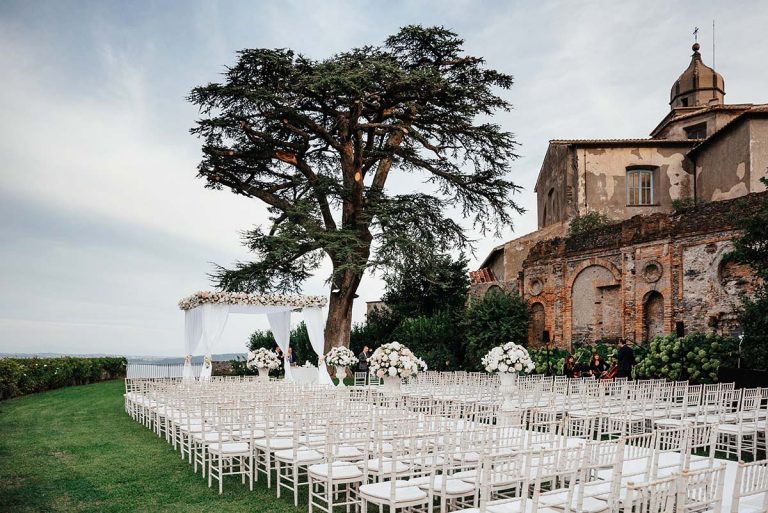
241, 298
207, 361
340, 357
395, 360
263, 358
508, 358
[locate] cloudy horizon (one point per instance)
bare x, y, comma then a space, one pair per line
104, 223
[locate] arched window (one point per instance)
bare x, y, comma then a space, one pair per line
653, 315
538, 322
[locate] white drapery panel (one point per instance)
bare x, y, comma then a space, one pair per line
214, 318
313, 318
193, 329
280, 324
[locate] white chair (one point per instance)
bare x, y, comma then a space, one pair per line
701, 490
657, 496
750, 491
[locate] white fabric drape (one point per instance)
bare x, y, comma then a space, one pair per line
280, 324
193, 329
313, 318
214, 319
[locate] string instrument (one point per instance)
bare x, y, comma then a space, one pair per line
610, 373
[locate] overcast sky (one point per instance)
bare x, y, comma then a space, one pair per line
104, 226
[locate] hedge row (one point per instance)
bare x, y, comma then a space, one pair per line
19, 376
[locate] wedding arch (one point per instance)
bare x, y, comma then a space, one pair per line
206, 314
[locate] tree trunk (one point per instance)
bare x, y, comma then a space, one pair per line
338, 327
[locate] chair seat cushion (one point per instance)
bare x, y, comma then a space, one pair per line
340, 470
403, 493
230, 448
211, 436
347, 452
499, 479
302, 455
276, 444
385, 466
452, 486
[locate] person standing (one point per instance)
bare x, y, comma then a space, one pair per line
362, 358
626, 360
291, 357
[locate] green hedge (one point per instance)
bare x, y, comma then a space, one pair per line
697, 357
20, 376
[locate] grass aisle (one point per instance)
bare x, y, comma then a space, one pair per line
75, 449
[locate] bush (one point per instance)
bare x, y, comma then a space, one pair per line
495, 319
20, 376
299, 341
697, 357
435, 339
682, 205
587, 222
377, 329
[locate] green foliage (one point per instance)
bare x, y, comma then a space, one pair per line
435, 339
426, 286
752, 248
299, 341
20, 376
589, 221
377, 329
497, 318
555, 356
753, 316
423, 294
318, 141
696, 357
681, 205
582, 354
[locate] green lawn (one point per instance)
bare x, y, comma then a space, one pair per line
75, 449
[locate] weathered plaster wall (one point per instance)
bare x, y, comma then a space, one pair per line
723, 166
715, 120
603, 173
758, 145
555, 187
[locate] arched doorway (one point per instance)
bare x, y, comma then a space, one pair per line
595, 305
653, 315
536, 331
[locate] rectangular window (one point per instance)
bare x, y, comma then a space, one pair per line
696, 131
640, 187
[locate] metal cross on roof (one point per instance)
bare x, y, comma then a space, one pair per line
695, 34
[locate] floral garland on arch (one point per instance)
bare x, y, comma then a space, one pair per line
263, 358
508, 358
204, 297
341, 357
395, 360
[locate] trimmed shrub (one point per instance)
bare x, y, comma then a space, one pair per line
20, 376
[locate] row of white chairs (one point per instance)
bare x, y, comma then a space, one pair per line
431, 448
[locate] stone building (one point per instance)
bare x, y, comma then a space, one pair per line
654, 270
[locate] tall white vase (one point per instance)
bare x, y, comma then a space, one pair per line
263, 374
341, 373
508, 380
392, 384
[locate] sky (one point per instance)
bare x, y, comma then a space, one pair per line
103, 223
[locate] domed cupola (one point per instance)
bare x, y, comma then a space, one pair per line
698, 86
